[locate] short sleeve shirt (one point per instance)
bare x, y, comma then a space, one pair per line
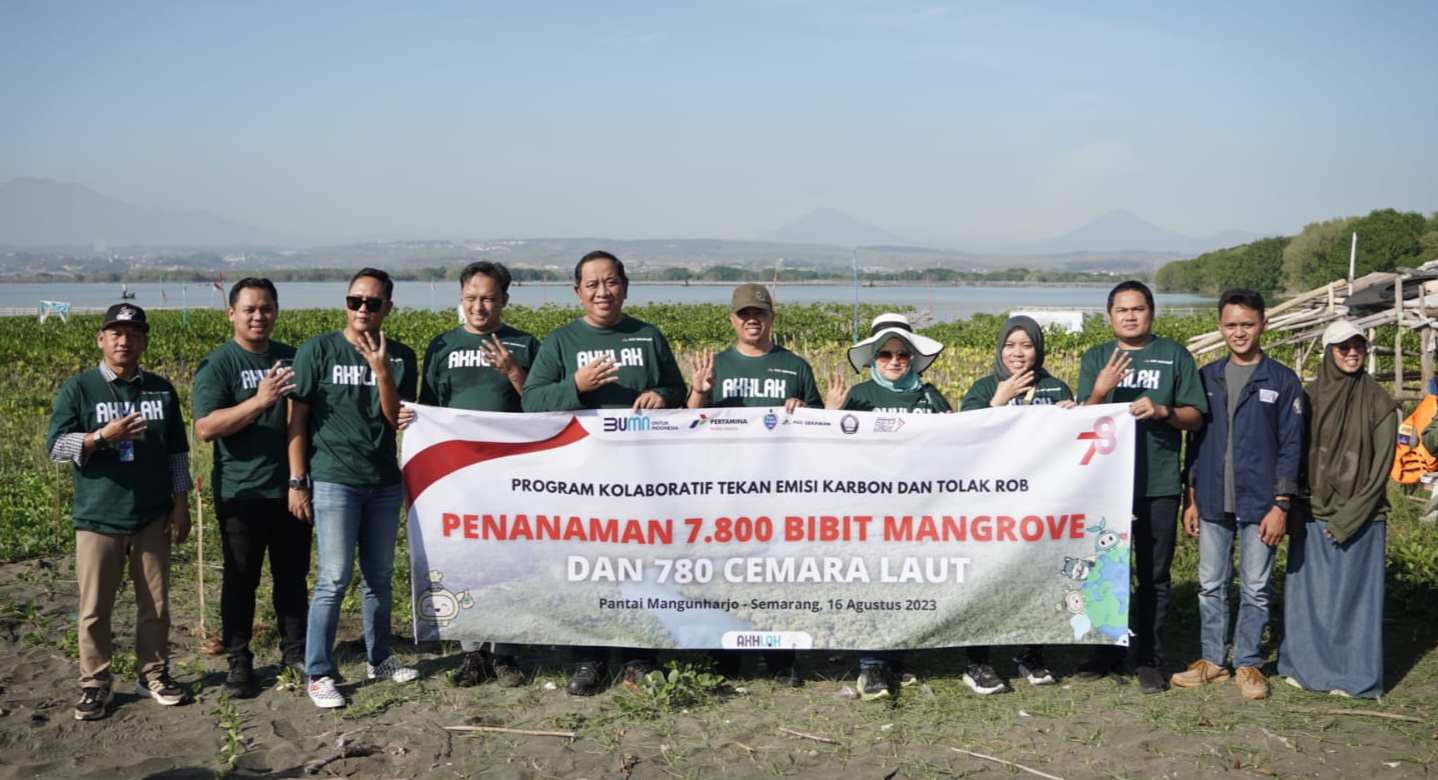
458, 375
764, 380
252, 462
114, 496
350, 441
1165, 372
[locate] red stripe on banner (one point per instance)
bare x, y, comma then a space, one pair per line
434, 463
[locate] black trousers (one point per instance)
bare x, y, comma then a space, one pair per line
1155, 530
249, 528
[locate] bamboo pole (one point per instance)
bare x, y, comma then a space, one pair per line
1398, 337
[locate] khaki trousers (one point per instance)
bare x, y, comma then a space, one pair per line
100, 561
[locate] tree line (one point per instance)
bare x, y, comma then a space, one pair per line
1387, 239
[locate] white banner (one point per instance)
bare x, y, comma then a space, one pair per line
755, 528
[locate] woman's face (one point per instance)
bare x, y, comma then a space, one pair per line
1349, 355
894, 358
1019, 353
601, 292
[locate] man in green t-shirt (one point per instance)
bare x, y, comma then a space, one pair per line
481, 365
344, 412
1159, 381
755, 372
239, 402
122, 430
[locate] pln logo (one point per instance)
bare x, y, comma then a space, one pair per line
637, 422
771, 421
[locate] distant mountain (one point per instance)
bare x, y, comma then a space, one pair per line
45, 212
1124, 231
833, 227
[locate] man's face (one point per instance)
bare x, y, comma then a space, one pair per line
253, 315
1241, 328
1130, 315
122, 345
601, 292
371, 294
483, 304
752, 325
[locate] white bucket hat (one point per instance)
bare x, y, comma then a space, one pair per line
889, 325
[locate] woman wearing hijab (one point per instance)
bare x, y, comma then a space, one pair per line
1018, 379
1333, 600
895, 356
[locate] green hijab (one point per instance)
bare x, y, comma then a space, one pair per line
1353, 427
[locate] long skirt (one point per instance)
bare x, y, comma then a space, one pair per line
1333, 611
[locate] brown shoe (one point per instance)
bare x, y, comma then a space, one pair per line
1251, 683
1199, 673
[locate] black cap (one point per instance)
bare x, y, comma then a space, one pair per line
126, 314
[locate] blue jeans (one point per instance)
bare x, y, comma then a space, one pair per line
1215, 570
345, 517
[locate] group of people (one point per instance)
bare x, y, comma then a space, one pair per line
305, 440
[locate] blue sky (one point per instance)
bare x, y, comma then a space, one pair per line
968, 125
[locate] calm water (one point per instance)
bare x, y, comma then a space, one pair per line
946, 303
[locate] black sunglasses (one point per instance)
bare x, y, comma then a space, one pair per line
371, 305
885, 354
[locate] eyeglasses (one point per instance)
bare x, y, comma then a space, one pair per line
371, 305
885, 354
1354, 345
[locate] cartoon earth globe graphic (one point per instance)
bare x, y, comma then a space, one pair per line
1105, 593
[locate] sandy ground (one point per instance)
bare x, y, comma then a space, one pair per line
1072, 730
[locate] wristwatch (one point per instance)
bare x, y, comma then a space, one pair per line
300, 483
1283, 502
100, 441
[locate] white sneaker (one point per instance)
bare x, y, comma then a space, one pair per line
324, 694
393, 669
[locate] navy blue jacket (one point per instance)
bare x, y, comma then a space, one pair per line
1267, 450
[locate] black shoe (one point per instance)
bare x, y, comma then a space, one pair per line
1151, 680
1098, 667
584, 680
876, 681
507, 673
94, 703
1032, 668
240, 683
982, 680
471, 671
635, 672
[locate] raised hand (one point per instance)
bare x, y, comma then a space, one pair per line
498, 355
838, 390
278, 381
375, 351
127, 428
1012, 387
702, 368
1112, 373
596, 375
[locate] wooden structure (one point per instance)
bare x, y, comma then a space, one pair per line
1407, 298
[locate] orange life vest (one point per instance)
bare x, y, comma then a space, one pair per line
1413, 460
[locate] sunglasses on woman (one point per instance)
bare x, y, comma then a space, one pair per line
885, 354
371, 305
